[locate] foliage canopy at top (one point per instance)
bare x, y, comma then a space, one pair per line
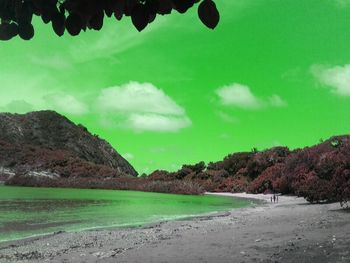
79, 15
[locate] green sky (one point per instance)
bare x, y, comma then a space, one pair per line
273, 73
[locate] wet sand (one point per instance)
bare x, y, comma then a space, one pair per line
290, 231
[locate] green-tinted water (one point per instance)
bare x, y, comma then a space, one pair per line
26, 212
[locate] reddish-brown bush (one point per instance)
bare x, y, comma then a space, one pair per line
320, 173
121, 183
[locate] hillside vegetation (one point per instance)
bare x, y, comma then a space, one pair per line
46, 149
320, 173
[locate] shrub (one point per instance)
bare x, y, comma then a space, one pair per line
121, 183
316, 190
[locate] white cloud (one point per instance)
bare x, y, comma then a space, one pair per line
342, 3
65, 103
241, 96
226, 117
337, 78
26, 92
22, 87
276, 101
238, 95
156, 122
113, 39
55, 61
141, 107
17, 106
128, 156
60, 102
137, 97
225, 136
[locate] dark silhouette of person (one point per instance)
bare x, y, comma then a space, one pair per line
271, 199
274, 198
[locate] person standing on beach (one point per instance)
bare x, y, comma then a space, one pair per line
271, 199
274, 198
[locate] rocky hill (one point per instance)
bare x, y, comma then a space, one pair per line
46, 141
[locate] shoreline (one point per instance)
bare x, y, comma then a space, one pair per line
140, 225
253, 234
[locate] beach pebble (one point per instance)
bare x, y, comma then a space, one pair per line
97, 254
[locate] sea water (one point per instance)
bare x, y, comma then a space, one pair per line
28, 211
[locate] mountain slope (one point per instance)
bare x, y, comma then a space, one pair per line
53, 134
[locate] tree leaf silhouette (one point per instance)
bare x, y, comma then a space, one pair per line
77, 15
58, 24
118, 9
165, 7
26, 31
74, 24
183, 5
8, 31
140, 16
96, 21
208, 13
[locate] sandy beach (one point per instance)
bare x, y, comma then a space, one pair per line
289, 231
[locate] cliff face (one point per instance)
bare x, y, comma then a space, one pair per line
53, 134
